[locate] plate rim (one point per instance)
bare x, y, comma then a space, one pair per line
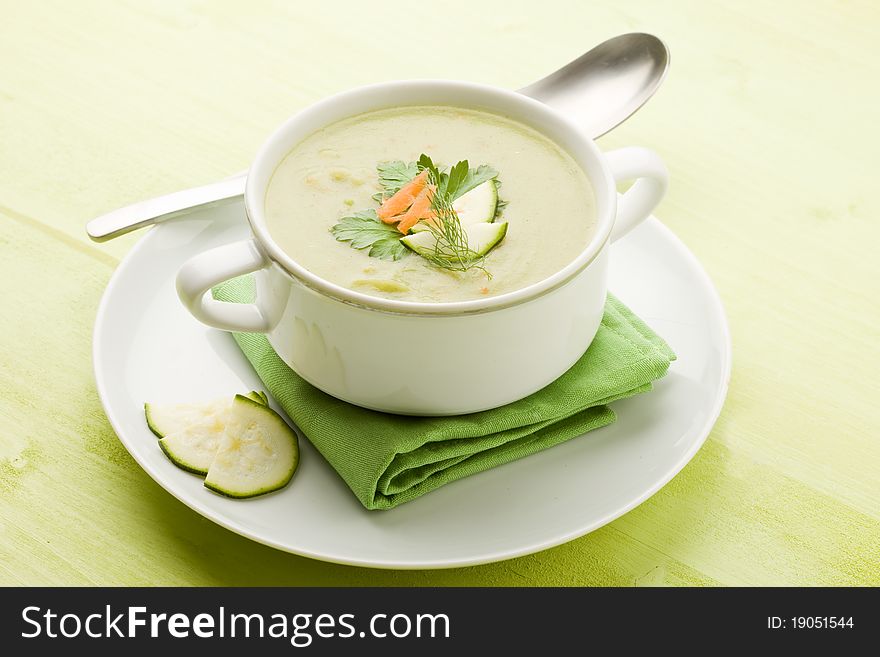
726, 355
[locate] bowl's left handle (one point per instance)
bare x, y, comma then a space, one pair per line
202, 272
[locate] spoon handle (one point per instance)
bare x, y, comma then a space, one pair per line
131, 217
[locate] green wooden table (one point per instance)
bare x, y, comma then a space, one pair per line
767, 122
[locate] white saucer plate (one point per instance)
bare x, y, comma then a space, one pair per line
147, 347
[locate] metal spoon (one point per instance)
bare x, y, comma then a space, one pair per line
603, 87
599, 90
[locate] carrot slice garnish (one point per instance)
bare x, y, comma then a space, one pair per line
419, 208
393, 219
405, 197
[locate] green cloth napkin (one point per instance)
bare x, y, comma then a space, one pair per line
390, 459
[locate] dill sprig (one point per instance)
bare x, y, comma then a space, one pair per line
451, 250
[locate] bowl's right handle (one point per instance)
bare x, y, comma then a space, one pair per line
651, 180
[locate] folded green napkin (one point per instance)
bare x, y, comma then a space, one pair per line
390, 459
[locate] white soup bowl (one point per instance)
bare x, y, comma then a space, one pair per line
476, 354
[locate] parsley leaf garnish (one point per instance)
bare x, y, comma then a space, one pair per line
364, 230
454, 179
471, 179
393, 175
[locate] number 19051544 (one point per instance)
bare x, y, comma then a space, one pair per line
810, 622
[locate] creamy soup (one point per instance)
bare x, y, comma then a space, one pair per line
547, 204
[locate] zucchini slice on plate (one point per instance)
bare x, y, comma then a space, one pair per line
257, 454
194, 447
164, 419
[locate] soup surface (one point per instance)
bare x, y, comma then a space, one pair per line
547, 201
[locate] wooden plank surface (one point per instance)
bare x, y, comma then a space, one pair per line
766, 122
